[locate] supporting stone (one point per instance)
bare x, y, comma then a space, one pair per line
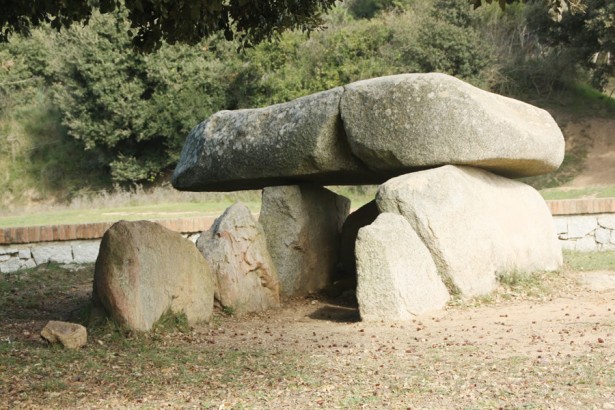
302, 224
236, 250
477, 225
397, 277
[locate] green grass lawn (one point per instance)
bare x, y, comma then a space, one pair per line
191, 209
589, 261
575, 193
112, 214
137, 207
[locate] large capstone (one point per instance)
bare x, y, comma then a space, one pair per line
414, 121
144, 270
283, 144
368, 132
476, 225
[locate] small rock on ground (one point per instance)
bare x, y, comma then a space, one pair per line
70, 335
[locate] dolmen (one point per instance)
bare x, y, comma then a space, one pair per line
448, 218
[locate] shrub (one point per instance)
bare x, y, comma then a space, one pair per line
134, 109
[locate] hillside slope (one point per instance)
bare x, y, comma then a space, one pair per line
599, 165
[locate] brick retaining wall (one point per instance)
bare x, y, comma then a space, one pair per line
27, 247
585, 224
53, 233
581, 206
581, 224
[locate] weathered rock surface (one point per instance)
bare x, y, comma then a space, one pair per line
85, 251
70, 335
302, 225
412, 121
144, 270
397, 277
236, 250
368, 132
277, 145
58, 252
476, 225
363, 216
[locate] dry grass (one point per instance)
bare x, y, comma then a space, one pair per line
160, 202
540, 341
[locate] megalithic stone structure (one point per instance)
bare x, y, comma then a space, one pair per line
368, 132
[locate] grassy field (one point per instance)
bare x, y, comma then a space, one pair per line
575, 193
143, 206
163, 203
130, 213
540, 341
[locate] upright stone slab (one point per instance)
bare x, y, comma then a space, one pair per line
477, 225
415, 121
236, 250
144, 270
302, 224
397, 277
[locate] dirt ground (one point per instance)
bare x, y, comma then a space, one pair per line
457, 358
600, 162
547, 345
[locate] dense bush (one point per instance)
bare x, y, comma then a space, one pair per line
588, 38
131, 112
422, 39
134, 109
366, 9
127, 114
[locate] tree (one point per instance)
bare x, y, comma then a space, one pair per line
185, 21
189, 21
557, 7
133, 110
589, 37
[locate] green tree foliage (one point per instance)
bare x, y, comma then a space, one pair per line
420, 39
186, 21
37, 157
190, 21
134, 110
555, 6
131, 112
366, 9
586, 37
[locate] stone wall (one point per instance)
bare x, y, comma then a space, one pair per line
581, 224
585, 224
586, 232
28, 247
23, 256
